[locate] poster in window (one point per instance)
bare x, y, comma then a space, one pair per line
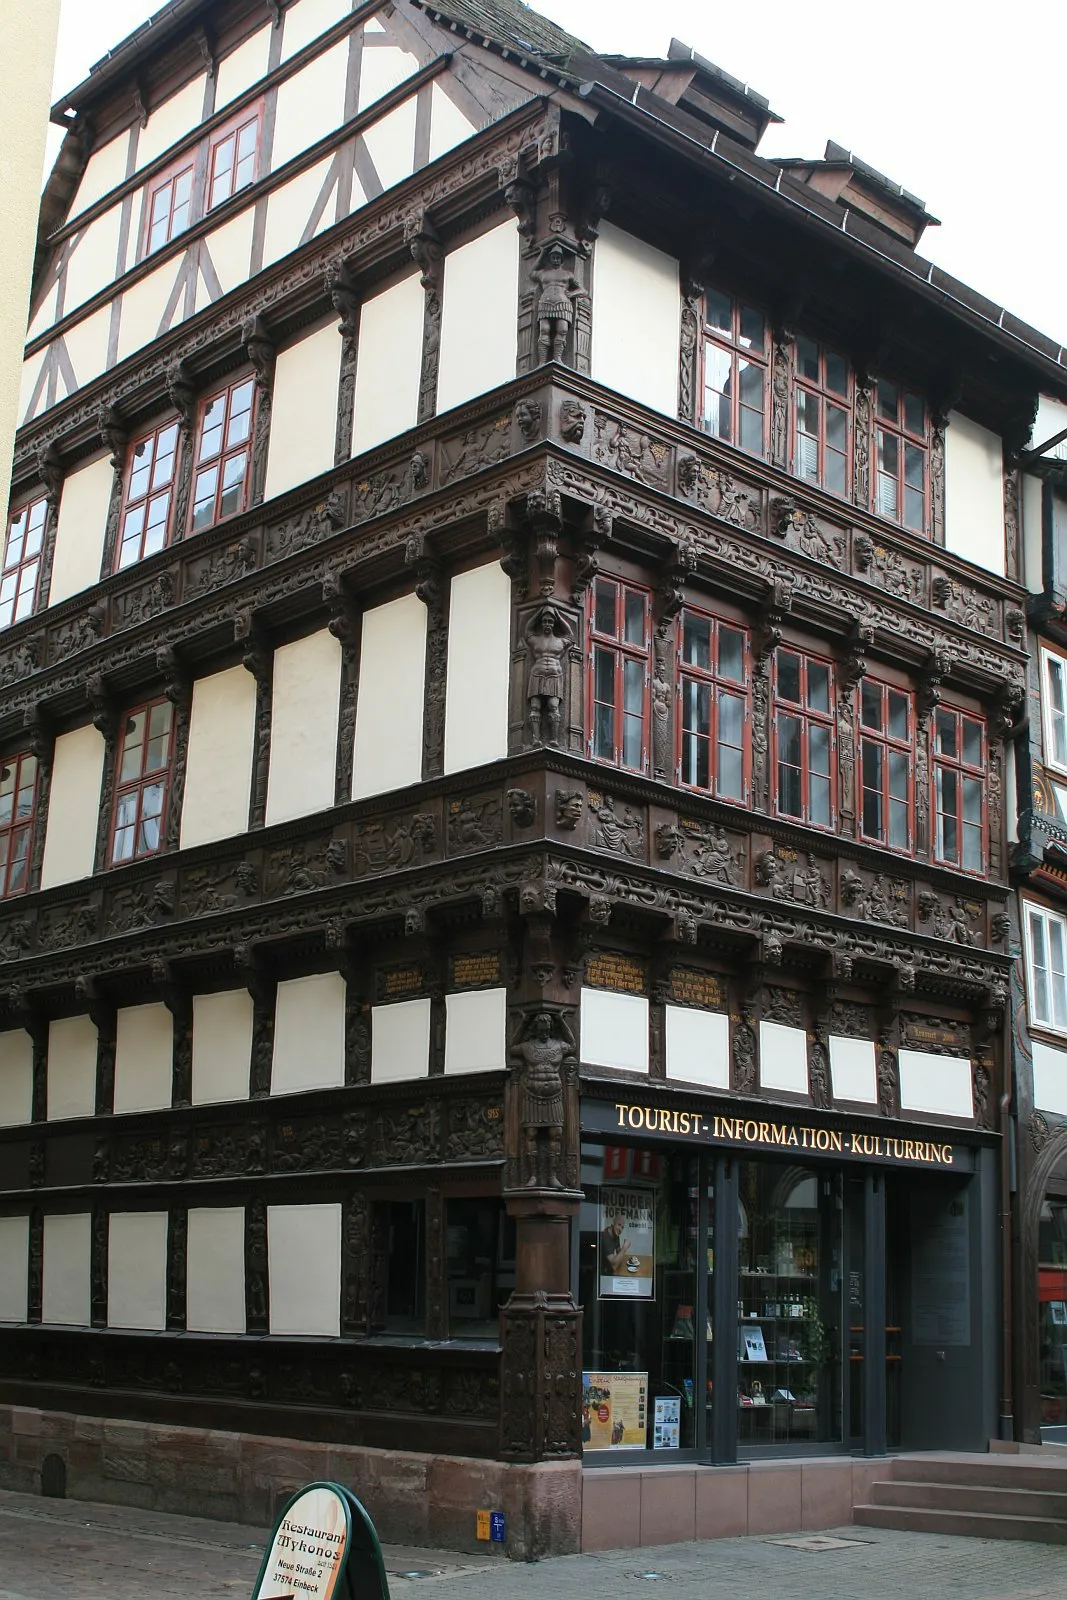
614, 1410
666, 1424
626, 1247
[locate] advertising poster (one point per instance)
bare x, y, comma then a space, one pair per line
626, 1246
666, 1422
614, 1410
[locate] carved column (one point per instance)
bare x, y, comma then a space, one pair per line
98, 1267
182, 391
344, 624
341, 288
355, 1267
886, 1070
781, 376
179, 1003
178, 689
432, 588
766, 636
436, 1265
42, 743
35, 1282
356, 974
50, 469
689, 402
937, 479
852, 671
37, 1028
102, 1015
260, 350
177, 1254
258, 659
263, 990
669, 602
1013, 557
256, 1286
423, 240
115, 434
861, 442
105, 718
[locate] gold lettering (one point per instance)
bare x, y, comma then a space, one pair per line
751, 1132
778, 1133
635, 1116
835, 1141
804, 1137
854, 1147
683, 1122
764, 1133
622, 1114
664, 1120
792, 1136
950, 1155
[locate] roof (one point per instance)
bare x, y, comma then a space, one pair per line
512, 26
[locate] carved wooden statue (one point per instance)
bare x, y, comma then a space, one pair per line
555, 309
542, 1058
548, 634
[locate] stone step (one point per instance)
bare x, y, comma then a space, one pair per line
967, 1524
972, 1497
1004, 1472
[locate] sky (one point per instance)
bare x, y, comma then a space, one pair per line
961, 101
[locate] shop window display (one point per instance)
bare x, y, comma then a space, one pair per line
1052, 1311
480, 1247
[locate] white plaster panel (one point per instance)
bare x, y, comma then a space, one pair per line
72, 1045
311, 103
381, 69
698, 1046
614, 1030
309, 1034
143, 305
230, 249
215, 1270
852, 1070
104, 171
304, 1269
31, 371
479, 659
303, 738
974, 493
783, 1058
218, 776
171, 121
144, 1058
289, 212
400, 1041
388, 364
303, 427
242, 67
137, 1270
392, 672
940, 1085
1050, 420
14, 1268
306, 19
86, 346
1031, 514
1050, 1078
80, 530
16, 1078
391, 143
479, 316
475, 1030
636, 319
222, 1046
448, 125
45, 314
67, 1269
73, 807
93, 261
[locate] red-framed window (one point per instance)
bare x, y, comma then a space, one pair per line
169, 207
960, 768
233, 157
142, 781
18, 808
713, 726
223, 455
22, 562
619, 640
148, 499
736, 344
900, 480
804, 742
887, 764
822, 417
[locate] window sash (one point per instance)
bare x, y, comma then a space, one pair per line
145, 524
233, 160
222, 462
805, 745
142, 782
1055, 701
886, 768
619, 675
21, 568
960, 795
900, 481
713, 721
1047, 948
169, 207
822, 419
18, 815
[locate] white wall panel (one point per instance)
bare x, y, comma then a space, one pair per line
218, 778
303, 427
72, 1043
137, 1270
242, 68
144, 1058
974, 493
222, 1046
143, 306
479, 316
940, 1085
230, 250
92, 263
104, 171
475, 1030
305, 701
698, 1046
1032, 498
614, 1030
1050, 1078
392, 674
171, 121
67, 1269
31, 371
83, 508
306, 19
14, 1268
73, 807
448, 125
636, 319
783, 1058
479, 661
852, 1070
381, 69
16, 1078
215, 1270
311, 104
388, 363
86, 346
289, 211
400, 1041
304, 1269
391, 143
309, 1034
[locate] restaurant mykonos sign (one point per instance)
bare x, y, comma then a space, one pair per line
324, 1547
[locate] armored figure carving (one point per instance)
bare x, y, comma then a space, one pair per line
547, 635
555, 309
542, 1058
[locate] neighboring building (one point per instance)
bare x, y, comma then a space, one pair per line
507, 747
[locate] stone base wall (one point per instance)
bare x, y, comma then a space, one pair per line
236, 1477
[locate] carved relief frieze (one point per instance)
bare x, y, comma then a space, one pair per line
705, 850
792, 875
474, 822
618, 829
635, 454
875, 897
477, 448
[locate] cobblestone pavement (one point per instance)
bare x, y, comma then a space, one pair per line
71, 1550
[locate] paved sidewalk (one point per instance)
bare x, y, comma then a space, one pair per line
71, 1550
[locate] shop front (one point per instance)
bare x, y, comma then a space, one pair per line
762, 1281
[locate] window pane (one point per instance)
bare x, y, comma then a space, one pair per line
731, 784
159, 724
836, 373
789, 790
887, 496
635, 618
731, 720
807, 358
945, 733
871, 704
604, 733
819, 748
204, 498
898, 825
696, 641
898, 715
947, 809
27, 590
750, 381
633, 686
818, 686
914, 510
972, 847
140, 469
696, 707
1040, 990
899, 769
604, 676
914, 413
133, 740
888, 453
820, 801
604, 608
240, 415
211, 428
632, 742
789, 676
972, 743
166, 444
719, 310
752, 329
888, 400
1057, 988
972, 800
732, 655
27, 783
695, 760
751, 430
872, 790
20, 851
232, 495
